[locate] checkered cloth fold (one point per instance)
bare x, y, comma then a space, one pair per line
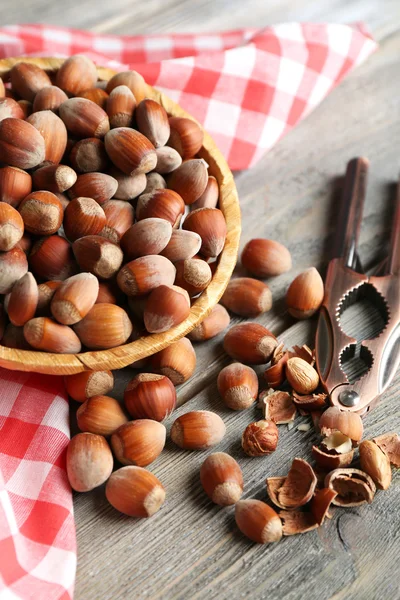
248, 88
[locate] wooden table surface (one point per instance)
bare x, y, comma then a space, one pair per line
191, 549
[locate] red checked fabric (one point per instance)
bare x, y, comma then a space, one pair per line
248, 88
37, 531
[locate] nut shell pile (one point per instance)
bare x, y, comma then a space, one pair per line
108, 219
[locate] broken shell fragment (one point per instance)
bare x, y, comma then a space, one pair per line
353, 486
275, 374
330, 460
320, 504
279, 407
295, 522
299, 486
375, 462
310, 402
390, 444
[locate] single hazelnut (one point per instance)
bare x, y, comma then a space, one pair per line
260, 438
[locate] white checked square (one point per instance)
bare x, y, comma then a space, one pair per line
271, 132
108, 45
58, 566
9, 392
290, 76
339, 38
221, 117
289, 31
321, 88
240, 61
57, 416
60, 36
158, 43
6, 593
208, 42
28, 478
10, 525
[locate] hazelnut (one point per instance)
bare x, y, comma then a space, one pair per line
9, 108
76, 74
305, 294
250, 343
149, 396
11, 227
54, 133
54, 178
198, 430
119, 218
98, 255
13, 266
138, 442
163, 204
186, 136
89, 461
82, 386
152, 121
260, 438
84, 118
266, 258
42, 213
120, 106
52, 258
28, 79
105, 326
23, 300
142, 275
168, 160
209, 198
135, 492
129, 186
258, 521
211, 326
21, 145
210, 224
133, 80
238, 386
166, 307
177, 361
130, 151
88, 156
149, 236
194, 275
247, 297
96, 95
74, 298
49, 98
99, 186
83, 217
101, 415
44, 334
15, 185
182, 245
222, 479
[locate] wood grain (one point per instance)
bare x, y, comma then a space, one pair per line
122, 356
192, 549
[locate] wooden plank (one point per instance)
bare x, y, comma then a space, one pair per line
192, 549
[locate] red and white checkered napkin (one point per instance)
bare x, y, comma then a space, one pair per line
37, 531
248, 87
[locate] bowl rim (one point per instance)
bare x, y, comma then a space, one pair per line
122, 356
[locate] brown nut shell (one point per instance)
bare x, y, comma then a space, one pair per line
54, 133
353, 486
266, 258
177, 361
11, 227
133, 80
42, 213
82, 386
120, 217
197, 430
238, 386
279, 407
247, 297
194, 275
168, 160
305, 294
101, 415
295, 522
210, 196
376, 463
21, 144
9, 108
390, 444
98, 255
144, 274
74, 298
216, 322
54, 178
149, 396
210, 224
135, 492
105, 326
258, 521
182, 245
13, 266
120, 106
52, 258
44, 334
130, 151
138, 442
166, 307
186, 136
49, 98
89, 461
88, 156
15, 184
76, 74
84, 118
99, 186
329, 461
163, 204
222, 479
28, 79
152, 121
250, 343
23, 300
149, 236
83, 217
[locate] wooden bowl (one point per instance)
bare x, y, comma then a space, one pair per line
122, 356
